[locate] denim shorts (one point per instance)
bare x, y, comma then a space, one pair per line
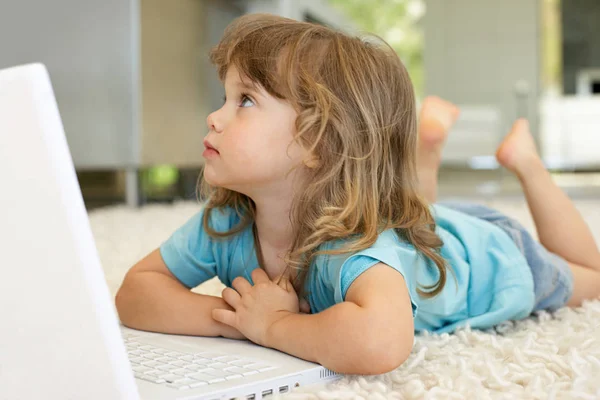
552, 276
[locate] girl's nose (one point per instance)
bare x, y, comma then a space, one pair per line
214, 122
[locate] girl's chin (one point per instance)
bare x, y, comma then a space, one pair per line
215, 182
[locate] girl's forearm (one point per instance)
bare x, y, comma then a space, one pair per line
154, 302
340, 338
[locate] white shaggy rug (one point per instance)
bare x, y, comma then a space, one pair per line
544, 357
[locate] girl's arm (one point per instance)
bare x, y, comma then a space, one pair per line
372, 332
152, 299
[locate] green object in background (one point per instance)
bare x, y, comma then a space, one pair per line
399, 23
160, 177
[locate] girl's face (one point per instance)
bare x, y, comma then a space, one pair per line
252, 133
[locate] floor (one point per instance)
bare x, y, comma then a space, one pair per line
546, 356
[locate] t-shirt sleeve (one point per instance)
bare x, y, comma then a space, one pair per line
343, 274
190, 253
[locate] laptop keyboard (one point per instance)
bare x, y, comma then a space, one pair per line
183, 371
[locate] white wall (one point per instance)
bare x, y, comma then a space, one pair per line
477, 54
570, 132
297, 9
91, 51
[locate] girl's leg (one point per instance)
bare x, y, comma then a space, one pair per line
560, 227
435, 120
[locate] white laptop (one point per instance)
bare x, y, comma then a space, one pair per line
60, 337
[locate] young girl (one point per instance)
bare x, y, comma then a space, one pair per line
311, 191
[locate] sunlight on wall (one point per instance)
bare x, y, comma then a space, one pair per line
398, 23
551, 47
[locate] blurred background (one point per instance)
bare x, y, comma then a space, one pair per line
134, 85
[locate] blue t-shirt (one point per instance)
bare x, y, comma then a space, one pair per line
490, 283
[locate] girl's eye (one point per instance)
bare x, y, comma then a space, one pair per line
246, 101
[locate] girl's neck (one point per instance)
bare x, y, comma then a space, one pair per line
273, 205
274, 228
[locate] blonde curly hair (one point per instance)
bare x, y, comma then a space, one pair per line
356, 114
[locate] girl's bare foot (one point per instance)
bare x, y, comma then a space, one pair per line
517, 151
435, 120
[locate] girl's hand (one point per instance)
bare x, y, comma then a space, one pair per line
258, 307
231, 333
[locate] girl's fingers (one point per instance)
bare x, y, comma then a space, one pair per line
232, 297
224, 316
259, 276
284, 283
241, 285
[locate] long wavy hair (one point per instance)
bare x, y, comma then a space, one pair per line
356, 115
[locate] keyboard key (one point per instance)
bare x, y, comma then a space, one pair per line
218, 365
164, 360
180, 371
227, 359
262, 367
202, 361
137, 360
135, 352
170, 378
178, 363
198, 384
232, 377
179, 386
243, 371
151, 356
194, 367
242, 362
147, 347
167, 367
175, 354
151, 364
189, 373
160, 351
149, 378
218, 373
188, 358
141, 369
211, 355
201, 377
186, 381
